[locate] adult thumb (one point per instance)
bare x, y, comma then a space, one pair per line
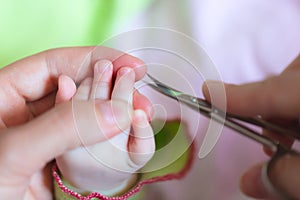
285, 176
29, 147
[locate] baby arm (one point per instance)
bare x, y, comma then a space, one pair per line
108, 167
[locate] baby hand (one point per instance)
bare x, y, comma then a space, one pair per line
108, 167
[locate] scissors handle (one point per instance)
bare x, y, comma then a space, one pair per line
267, 172
257, 121
236, 122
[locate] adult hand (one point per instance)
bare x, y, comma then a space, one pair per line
33, 132
277, 99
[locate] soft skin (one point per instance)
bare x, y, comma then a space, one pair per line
277, 99
33, 131
109, 166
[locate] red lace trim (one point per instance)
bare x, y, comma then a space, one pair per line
130, 193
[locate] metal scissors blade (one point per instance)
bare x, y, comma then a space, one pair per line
232, 121
163, 88
207, 109
193, 102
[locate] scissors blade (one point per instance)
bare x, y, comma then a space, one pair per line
197, 104
215, 114
163, 88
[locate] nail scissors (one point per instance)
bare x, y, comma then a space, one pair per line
236, 123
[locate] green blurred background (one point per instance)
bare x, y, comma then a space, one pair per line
31, 26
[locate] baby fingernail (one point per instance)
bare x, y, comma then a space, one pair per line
124, 70
103, 66
140, 117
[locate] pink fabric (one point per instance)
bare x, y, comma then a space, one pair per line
247, 40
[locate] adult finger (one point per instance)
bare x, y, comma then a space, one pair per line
37, 75
27, 148
285, 175
276, 96
119, 60
294, 66
31, 79
14, 111
42, 105
285, 140
141, 143
102, 83
251, 183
